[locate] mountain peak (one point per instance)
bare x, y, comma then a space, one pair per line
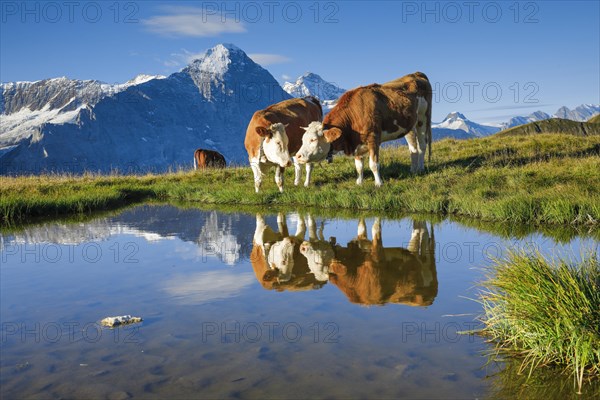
455, 115
311, 84
217, 60
457, 121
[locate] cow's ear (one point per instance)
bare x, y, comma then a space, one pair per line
332, 134
263, 132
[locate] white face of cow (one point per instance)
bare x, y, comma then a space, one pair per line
314, 145
281, 257
319, 256
275, 144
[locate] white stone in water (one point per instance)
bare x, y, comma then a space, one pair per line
120, 320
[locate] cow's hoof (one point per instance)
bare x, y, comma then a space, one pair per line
359, 181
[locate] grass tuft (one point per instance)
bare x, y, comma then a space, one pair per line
545, 312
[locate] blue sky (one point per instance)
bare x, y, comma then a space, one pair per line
488, 59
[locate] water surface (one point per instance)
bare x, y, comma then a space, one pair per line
251, 306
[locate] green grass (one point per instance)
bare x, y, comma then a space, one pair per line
545, 312
541, 179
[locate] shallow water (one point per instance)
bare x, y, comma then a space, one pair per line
250, 306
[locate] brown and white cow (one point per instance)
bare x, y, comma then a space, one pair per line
275, 134
208, 159
367, 116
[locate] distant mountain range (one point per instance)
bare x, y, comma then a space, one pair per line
148, 124
154, 123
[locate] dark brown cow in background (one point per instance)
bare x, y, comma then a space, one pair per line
208, 159
275, 133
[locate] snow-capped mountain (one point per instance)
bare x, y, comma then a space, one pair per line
581, 113
25, 106
311, 84
456, 121
146, 124
533, 117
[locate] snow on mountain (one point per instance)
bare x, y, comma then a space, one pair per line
25, 106
535, 116
581, 113
311, 84
146, 124
456, 121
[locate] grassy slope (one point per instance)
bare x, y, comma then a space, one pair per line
594, 120
554, 125
532, 179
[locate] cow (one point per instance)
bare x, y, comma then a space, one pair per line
370, 274
367, 116
276, 260
274, 135
208, 159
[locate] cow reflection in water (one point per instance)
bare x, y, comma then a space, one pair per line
365, 271
370, 274
276, 258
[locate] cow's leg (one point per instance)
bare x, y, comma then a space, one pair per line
422, 142
312, 229
309, 168
377, 246
362, 229
413, 147
300, 228
376, 230
282, 225
374, 164
257, 170
297, 172
279, 172
359, 169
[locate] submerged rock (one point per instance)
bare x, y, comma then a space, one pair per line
120, 320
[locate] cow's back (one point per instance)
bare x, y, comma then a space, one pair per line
209, 159
416, 83
295, 113
366, 109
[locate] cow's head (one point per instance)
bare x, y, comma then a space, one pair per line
319, 256
275, 144
316, 142
281, 258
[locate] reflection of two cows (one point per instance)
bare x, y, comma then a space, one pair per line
364, 270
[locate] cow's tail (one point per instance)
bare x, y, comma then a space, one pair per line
195, 162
